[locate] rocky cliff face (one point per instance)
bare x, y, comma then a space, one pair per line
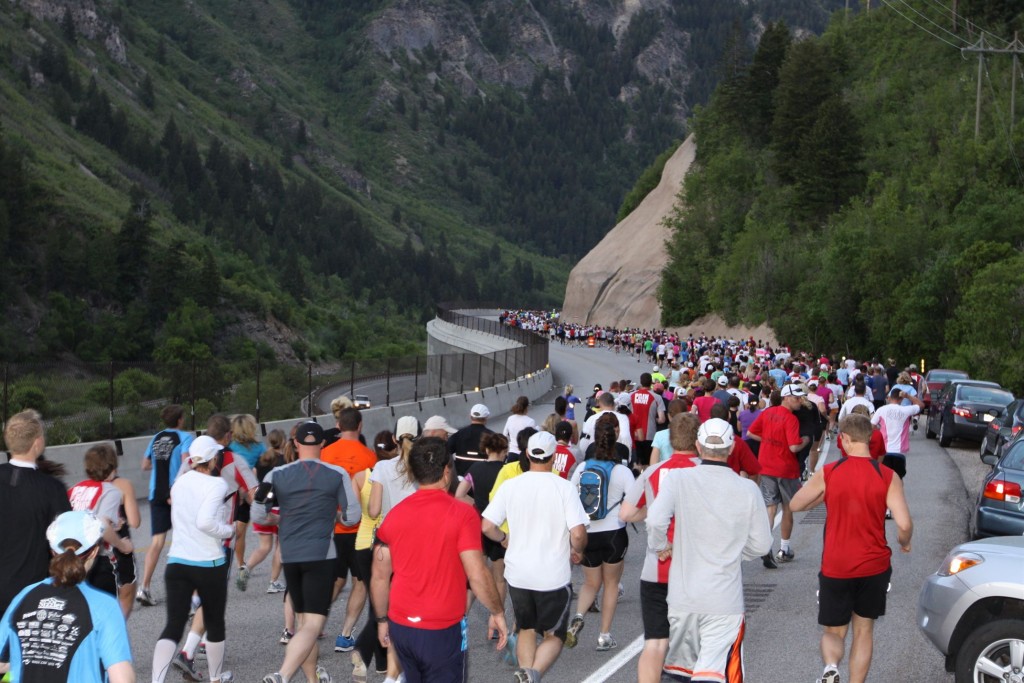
617, 282
86, 19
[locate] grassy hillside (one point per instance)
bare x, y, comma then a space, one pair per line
841, 196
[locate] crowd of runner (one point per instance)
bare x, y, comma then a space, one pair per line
705, 446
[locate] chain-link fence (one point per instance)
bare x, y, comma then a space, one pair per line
94, 401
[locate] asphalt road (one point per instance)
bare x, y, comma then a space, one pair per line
782, 633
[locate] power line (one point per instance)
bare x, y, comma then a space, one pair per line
961, 18
931, 21
888, 4
1006, 134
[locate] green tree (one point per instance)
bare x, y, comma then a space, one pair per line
805, 82
827, 168
763, 78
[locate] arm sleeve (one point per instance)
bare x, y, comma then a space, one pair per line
659, 515
347, 502
244, 476
469, 537
114, 645
210, 519
260, 509
495, 511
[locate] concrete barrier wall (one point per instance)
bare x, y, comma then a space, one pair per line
454, 407
459, 359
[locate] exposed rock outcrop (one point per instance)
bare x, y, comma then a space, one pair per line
617, 282
86, 20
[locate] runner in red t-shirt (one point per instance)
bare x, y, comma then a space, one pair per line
564, 459
778, 430
855, 560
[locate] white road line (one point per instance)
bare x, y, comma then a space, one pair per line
617, 662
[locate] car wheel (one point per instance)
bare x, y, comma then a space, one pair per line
944, 439
993, 652
928, 433
984, 447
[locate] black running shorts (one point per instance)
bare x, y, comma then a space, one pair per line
542, 611
159, 517
310, 585
344, 555
606, 547
839, 599
654, 609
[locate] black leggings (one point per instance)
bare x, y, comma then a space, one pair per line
211, 584
368, 643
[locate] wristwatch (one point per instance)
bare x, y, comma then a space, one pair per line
382, 620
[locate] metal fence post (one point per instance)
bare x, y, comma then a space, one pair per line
506, 365
416, 381
440, 376
462, 375
387, 388
480, 373
110, 418
309, 394
193, 395
258, 390
352, 381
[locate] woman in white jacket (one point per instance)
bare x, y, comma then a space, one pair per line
197, 561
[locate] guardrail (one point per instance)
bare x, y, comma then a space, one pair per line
93, 401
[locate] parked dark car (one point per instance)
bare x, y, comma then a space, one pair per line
963, 409
1000, 508
1003, 429
933, 382
971, 610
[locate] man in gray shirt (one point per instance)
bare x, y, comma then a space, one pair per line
311, 496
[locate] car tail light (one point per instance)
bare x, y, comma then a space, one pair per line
1015, 430
959, 562
995, 426
1006, 491
963, 412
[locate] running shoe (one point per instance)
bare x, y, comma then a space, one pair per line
595, 609
187, 667
344, 643
606, 642
242, 580
273, 678
769, 561
575, 626
196, 604
830, 676
526, 676
622, 591
145, 597
785, 555
321, 675
201, 650
358, 666
227, 677
286, 636
508, 655
276, 587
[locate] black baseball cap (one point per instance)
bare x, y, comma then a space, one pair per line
309, 434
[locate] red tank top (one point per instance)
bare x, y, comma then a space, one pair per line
855, 545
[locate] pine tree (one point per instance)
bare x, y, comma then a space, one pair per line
67, 25
827, 169
805, 81
146, 94
763, 78
133, 247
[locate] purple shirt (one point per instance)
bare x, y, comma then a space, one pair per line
746, 418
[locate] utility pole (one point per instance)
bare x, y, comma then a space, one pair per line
1015, 48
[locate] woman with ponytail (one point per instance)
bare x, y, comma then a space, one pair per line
78, 633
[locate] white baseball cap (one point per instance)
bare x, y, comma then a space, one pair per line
203, 449
541, 446
479, 411
723, 380
80, 525
438, 422
715, 433
793, 390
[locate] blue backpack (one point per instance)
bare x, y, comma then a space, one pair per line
595, 480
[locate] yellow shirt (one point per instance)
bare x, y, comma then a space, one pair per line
366, 523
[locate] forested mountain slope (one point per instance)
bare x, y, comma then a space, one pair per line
304, 179
840, 194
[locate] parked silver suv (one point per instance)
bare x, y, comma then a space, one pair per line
972, 610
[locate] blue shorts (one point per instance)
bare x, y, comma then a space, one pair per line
432, 656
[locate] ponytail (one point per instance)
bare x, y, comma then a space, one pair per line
67, 568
